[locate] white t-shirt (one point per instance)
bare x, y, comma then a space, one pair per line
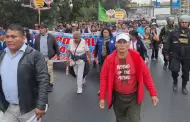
133, 44
81, 49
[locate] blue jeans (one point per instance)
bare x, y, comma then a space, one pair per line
149, 52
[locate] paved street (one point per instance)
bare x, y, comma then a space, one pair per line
67, 106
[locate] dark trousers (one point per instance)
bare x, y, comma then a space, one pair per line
154, 53
166, 62
126, 108
175, 68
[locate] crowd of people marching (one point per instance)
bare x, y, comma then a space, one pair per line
123, 53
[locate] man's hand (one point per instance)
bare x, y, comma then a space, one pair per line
146, 60
102, 104
155, 100
39, 113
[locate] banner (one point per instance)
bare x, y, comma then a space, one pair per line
39, 3
111, 15
63, 40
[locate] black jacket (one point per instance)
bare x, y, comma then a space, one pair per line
174, 48
53, 48
85, 30
141, 49
165, 32
33, 81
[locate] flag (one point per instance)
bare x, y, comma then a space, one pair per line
102, 16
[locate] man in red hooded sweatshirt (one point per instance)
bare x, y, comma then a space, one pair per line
122, 78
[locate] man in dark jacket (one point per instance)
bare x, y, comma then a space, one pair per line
164, 36
47, 45
24, 79
177, 49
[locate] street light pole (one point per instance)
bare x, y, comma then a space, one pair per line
39, 16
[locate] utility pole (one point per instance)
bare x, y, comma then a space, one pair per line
37, 8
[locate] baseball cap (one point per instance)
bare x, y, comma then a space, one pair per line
74, 25
43, 26
123, 36
153, 23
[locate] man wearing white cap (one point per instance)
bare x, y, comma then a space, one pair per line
122, 78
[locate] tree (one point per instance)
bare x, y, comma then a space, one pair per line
84, 9
61, 11
110, 4
64, 13
12, 12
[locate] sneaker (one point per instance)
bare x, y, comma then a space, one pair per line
164, 67
174, 87
79, 90
184, 91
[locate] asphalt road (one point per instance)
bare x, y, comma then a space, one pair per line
67, 106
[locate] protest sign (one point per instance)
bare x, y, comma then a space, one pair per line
63, 40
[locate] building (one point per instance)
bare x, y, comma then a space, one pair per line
185, 7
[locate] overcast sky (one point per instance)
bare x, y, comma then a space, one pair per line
148, 1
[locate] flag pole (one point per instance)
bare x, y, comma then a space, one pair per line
39, 15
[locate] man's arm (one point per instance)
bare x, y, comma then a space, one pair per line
42, 78
36, 41
144, 48
104, 79
162, 33
147, 79
167, 45
55, 45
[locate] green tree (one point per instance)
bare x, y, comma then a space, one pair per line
61, 11
12, 12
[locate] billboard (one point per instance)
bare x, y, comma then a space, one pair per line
39, 3
155, 3
175, 4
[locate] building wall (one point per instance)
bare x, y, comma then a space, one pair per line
185, 7
147, 12
161, 11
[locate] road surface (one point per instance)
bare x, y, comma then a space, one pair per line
67, 106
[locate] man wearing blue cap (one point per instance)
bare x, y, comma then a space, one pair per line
2, 40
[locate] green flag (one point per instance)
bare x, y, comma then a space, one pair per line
102, 16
